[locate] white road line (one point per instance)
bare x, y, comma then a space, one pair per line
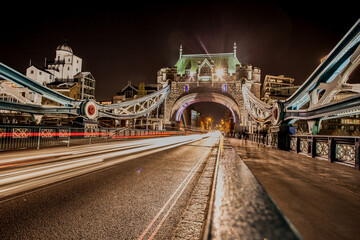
180, 188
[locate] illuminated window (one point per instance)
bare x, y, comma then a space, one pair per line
224, 87
186, 88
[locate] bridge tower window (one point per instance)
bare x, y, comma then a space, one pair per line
205, 71
186, 88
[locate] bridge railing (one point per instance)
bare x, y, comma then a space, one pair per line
341, 149
36, 137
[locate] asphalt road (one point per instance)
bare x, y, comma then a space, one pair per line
138, 195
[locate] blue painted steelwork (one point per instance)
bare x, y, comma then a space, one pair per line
14, 76
154, 99
38, 109
86, 108
341, 108
289, 110
343, 58
327, 70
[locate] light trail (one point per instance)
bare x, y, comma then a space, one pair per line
64, 165
169, 205
73, 134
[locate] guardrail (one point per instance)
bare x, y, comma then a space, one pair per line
344, 149
26, 137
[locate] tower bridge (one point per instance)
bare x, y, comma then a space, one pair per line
220, 78
273, 194
216, 77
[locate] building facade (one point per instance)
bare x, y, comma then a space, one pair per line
64, 70
216, 77
277, 88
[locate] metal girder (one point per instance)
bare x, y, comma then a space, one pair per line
87, 108
258, 110
331, 76
135, 108
14, 76
327, 71
344, 107
37, 109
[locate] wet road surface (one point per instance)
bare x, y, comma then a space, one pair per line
142, 198
321, 199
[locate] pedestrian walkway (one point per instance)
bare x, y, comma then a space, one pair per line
241, 208
321, 199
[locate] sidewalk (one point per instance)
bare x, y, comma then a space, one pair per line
241, 208
321, 199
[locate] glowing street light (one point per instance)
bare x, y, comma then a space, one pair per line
220, 72
209, 123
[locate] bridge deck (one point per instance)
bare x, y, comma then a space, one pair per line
322, 200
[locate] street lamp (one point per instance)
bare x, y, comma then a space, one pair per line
220, 72
209, 121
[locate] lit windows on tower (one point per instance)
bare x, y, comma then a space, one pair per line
220, 73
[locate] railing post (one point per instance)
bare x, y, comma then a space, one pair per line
309, 145
313, 147
357, 153
38, 143
332, 149
90, 136
297, 144
69, 133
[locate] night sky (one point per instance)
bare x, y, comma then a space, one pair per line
121, 43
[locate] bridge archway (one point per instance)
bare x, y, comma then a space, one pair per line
182, 103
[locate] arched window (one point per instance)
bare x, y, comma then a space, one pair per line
205, 71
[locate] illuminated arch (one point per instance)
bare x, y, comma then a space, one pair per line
182, 103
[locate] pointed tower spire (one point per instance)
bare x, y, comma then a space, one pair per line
234, 49
181, 49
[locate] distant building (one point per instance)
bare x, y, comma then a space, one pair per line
64, 71
63, 74
130, 91
277, 88
192, 119
68, 89
86, 83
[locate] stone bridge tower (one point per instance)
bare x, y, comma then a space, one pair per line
215, 77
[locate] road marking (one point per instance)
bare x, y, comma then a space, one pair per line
181, 187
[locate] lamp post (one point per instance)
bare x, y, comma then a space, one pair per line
209, 123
